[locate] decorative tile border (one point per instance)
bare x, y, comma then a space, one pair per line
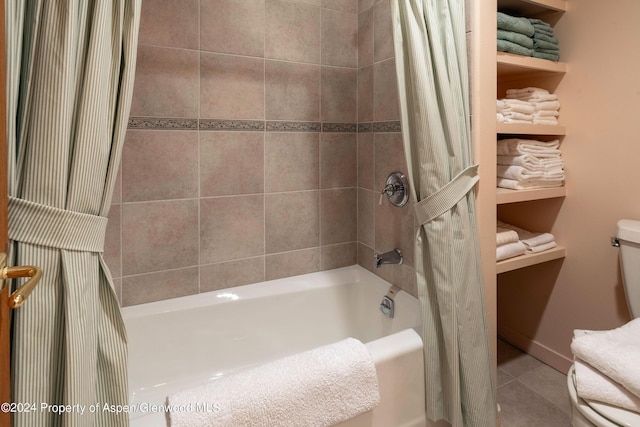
273, 126
162, 123
237, 125
258, 125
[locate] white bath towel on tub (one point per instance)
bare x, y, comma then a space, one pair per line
319, 387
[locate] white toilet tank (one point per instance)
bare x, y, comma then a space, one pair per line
629, 239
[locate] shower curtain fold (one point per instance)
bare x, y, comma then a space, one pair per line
433, 89
70, 71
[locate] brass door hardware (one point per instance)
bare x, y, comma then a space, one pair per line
20, 295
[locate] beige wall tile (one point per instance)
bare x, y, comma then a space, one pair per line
338, 216
336, 256
224, 275
292, 263
389, 157
365, 256
159, 234
339, 99
291, 161
166, 82
159, 286
382, 32
365, 38
339, 38
231, 163
169, 23
292, 221
292, 91
112, 242
350, 6
385, 91
365, 161
292, 31
366, 207
394, 228
117, 290
231, 87
364, 5
232, 26
338, 160
365, 94
159, 165
231, 228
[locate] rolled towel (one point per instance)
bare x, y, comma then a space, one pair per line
592, 385
510, 47
512, 23
516, 146
510, 250
615, 353
504, 236
517, 38
512, 184
547, 105
515, 105
502, 119
319, 387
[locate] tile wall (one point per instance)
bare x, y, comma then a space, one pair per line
260, 137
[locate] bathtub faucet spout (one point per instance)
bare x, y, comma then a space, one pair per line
391, 257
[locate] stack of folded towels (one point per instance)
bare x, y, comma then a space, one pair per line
512, 241
527, 37
531, 105
606, 365
528, 163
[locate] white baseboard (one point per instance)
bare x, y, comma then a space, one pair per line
541, 352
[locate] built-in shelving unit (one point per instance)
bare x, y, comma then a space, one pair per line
521, 71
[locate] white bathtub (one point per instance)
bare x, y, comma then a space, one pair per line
184, 342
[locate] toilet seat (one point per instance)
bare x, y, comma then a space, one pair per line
600, 414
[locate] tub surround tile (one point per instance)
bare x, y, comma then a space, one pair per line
158, 286
385, 91
231, 87
365, 94
389, 157
339, 94
366, 208
169, 23
365, 161
364, 5
365, 38
214, 277
350, 6
150, 123
231, 163
392, 126
382, 32
291, 161
292, 221
232, 26
117, 290
112, 242
229, 125
402, 276
231, 228
336, 256
340, 127
116, 197
158, 165
166, 82
339, 38
338, 216
365, 127
338, 160
292, 91
292, 32
292, 263
156, 235
365, 257
394, 228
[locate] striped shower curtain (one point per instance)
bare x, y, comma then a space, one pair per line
70, 71
433, 87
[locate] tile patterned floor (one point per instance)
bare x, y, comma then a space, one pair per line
530, 393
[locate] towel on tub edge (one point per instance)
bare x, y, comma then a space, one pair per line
319, 387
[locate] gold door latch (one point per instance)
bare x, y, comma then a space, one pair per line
20, 295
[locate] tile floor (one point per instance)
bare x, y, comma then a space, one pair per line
530, 393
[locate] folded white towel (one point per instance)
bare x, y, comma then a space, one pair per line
551, 121
320, 387
517, 116
527, 185
531, 162
546, 113
541, 248
504, 236
513, 105
503, 119
520, 173
535, 242
534, 97
615, 353
541, 149
547, 105
592, 385
510, 250
526, 90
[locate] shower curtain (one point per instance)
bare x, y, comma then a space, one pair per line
433, 87
70, 71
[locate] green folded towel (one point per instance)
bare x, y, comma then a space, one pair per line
535, 21
541, 44
512, 23
509, 47
517, 38
543, 30
551, 51
541, 36
543, 55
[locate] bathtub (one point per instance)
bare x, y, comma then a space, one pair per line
184, 342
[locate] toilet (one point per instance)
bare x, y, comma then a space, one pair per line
586, 413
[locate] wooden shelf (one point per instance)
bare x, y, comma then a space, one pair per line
511, 66
530, 259
504, 195
529, 129
533, 8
